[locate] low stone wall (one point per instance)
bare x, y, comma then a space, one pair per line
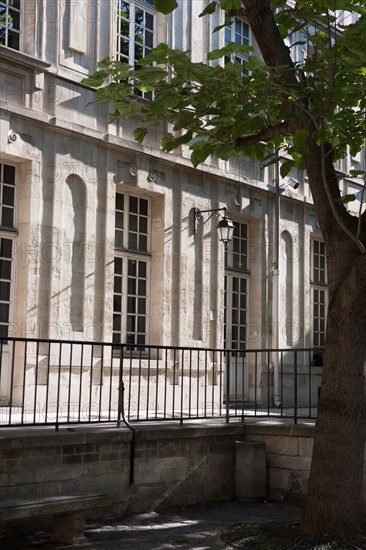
288, 456
173, 464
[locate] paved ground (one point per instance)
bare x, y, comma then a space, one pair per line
183, 528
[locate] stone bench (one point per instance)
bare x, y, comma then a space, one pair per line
68, 513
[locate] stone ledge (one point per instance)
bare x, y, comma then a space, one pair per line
299, 430
33, 437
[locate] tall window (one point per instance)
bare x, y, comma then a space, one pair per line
7, 222
319, 292
131, 270
10, 23
236, 289
238, 32
135, 31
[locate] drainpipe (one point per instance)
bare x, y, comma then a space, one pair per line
276, 288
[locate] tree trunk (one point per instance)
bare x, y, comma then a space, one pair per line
334, 501
335, 494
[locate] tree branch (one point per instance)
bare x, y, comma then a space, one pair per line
264, 135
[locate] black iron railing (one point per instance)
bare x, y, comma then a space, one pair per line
58, 382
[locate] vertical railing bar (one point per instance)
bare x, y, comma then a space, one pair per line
47, 383
69, 392
235, 383
221, 390
181, 389
310, 383
58, 385
174, 382
228, 356
121, 389
101, 381
138, 385
281, 392
81, 381
148, 385
190, 385
295, 389
255, 382
213, 384
268, 394
91, 380
24, 379
130, 386
157, 383
198, 384
166, 382
206, 385
36, 384
110, 347
243, 387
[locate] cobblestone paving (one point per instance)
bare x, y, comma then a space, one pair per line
182, 528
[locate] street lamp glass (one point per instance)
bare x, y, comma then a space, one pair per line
225, 228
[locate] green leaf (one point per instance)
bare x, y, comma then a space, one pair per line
347, 198
104, 64
228, 5
165, 6
300, 137
230, 48
286, 167
211, 8
200, 151
139, 134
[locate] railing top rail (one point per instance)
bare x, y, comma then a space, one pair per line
143, 347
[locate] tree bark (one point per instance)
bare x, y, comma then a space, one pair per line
334, 502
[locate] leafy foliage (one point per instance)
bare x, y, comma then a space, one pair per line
217, 109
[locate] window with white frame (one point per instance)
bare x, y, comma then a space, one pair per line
239, 33
10, 23
319, 292
7, 244
131, 270
236, 289
136, 22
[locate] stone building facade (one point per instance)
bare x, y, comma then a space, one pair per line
97, 232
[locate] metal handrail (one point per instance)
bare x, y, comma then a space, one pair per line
63, 382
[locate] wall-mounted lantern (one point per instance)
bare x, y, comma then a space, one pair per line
225, 226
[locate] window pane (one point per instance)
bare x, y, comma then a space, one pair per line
119, 220
9, 174
132, 241
143, 243
142, 269
4, 291
120, 199
141, 306
131, 304
117, 303
134, 205
117, 323
132, 268
8, 195
5, 269
6, 248
118, 285
7, 217
118, 265
4, 313
133, 223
